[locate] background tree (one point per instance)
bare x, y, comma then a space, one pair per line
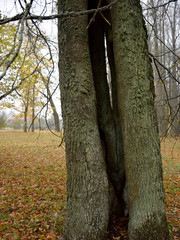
53, 107
164, 45
8, 37
174, 81
27, 71
3, 120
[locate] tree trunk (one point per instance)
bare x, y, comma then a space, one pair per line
26, 106
87, 181
139, 124
25, 117
161, 105
174, 99
87, 135
33, 105
49, 96
55, 114
106, 120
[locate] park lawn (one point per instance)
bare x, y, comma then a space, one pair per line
32, 185
170, 148
33, 182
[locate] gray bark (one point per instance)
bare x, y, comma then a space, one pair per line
85, 120
87, 181
139, 124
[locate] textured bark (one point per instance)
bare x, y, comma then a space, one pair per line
139, 124
106, 120
87, 181
84, 121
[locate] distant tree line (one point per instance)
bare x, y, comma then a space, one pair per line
15, 122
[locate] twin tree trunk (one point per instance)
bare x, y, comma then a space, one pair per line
111, 136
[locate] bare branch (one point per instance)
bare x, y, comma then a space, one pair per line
154, 58
160, 39
48, 99
61, 15
94, 15
161, 5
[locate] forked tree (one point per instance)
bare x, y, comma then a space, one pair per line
110, 123
111, 131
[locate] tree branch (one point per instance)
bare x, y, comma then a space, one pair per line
161, 5
18, 86
19, 44
62, 15
155, 59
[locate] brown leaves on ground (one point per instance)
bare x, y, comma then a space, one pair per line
118, 227
171, 168
32, 187
170, 148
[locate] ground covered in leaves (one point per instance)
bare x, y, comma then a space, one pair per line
32, 187
170, 148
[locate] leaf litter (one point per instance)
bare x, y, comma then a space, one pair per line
33, 187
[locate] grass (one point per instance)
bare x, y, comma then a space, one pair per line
33, 181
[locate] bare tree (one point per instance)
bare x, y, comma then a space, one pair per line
164, 42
